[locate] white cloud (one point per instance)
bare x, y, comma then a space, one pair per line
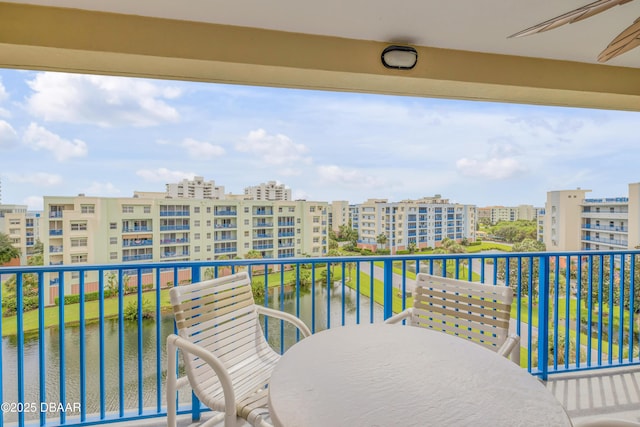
38, 138
164, 175
36, 178
8, 135
101, 100
493, 168
274, 150
34, 203
202, 150
101, 189
4, 95
349, 177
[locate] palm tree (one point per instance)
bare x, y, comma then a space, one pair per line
381, 239
7, 250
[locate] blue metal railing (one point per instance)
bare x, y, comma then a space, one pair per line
574, 311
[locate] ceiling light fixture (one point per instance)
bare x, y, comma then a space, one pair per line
399, 57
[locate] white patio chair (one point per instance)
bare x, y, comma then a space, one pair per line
474, 311
228, 362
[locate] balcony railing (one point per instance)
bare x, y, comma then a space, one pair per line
605, 227
55, 232
574, 312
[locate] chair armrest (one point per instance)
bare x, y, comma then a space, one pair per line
509, 345
399, 317
266, 311
176, 342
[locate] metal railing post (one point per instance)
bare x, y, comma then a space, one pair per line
195, 402
388, 288
543, 317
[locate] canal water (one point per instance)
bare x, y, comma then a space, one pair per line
128, 374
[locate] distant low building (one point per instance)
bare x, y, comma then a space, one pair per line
495, 214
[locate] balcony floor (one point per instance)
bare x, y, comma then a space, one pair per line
604, 393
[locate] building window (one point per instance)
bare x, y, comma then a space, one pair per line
246, 245
208, 248
246, 234
196, 249
79, 226
147, 209
208, 209
196, 223
113, 240
127, 209
79, 243
196, 236
78, 258
113, 226
113, 255
196, 209
246, 222
208, 223
246, 209
312, 208
87, 209
208, 235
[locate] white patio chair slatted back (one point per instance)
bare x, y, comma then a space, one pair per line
470, 310
475, 311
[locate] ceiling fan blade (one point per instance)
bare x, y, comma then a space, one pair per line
624, 42
579, 14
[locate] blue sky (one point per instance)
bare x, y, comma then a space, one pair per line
64, 134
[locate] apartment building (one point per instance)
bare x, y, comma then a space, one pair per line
112, 230
197, 188
268, 191
424, 223
23, 228
97, 230
574, 222
495, 214
339, 214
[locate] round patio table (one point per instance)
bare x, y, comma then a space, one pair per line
396, 375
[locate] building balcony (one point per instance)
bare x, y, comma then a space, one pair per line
55, 214
225, 226
262, 224
265, 246
224, 250
137, 242
605, 215
55, 232
263, 236
137, 229
224, 238
286, 223
605, 228
286, 234
168, 255
174, 227
56, 249
592, 372
137, 257
174, 213
226, 213
173, 241
614, 242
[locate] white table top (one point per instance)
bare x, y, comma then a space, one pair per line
396, 375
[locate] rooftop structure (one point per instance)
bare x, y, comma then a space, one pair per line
270, 190
196, 188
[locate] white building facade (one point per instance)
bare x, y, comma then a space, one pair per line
197, 188
268, 191
574, 222
419, 223
23, 228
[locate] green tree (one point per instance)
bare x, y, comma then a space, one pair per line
7, 250
381, 239
412, 247
528, 267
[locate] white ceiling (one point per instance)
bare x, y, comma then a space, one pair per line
473, 25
